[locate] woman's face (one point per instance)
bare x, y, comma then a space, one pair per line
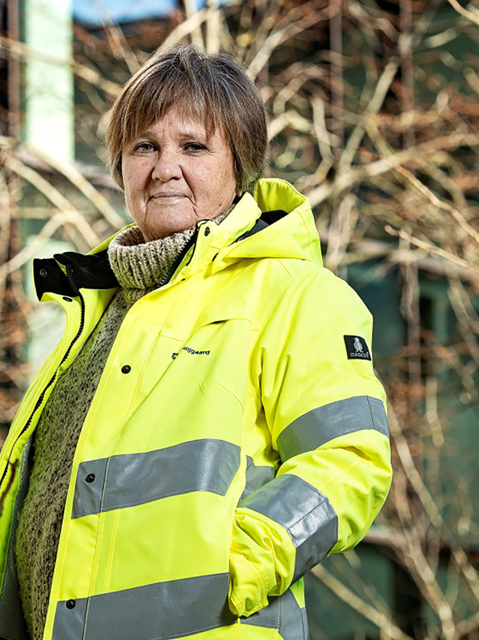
174, 175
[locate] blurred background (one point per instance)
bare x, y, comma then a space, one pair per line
374, 115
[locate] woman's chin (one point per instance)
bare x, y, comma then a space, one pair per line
158, 232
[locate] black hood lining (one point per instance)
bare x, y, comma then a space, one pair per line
265, 220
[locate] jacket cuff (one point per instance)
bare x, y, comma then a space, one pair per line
248, 586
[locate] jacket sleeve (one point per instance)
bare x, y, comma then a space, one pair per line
325, 410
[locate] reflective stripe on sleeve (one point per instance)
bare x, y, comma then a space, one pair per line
315, 428
256, 476
132, 479
304, 512
163, 610
284, 614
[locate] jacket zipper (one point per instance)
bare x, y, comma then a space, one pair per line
52, 380
170, 273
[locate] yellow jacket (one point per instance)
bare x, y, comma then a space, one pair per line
237, 436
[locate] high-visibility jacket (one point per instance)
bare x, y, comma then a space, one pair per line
237, 436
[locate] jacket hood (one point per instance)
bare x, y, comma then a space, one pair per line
289, 230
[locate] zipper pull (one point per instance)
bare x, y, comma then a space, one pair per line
71, 280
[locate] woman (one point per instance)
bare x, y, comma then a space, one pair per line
210, 426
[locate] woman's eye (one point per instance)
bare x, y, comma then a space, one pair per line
144, 146
195, 147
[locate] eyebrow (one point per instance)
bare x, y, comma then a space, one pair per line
184, 135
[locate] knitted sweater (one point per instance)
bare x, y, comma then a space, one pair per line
139, 267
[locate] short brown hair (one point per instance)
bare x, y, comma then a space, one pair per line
213, 87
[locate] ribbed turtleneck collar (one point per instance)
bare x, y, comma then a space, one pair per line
138, 264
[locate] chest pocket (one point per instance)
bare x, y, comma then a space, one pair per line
217, 351
197, 379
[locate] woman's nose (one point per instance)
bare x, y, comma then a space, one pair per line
166, 167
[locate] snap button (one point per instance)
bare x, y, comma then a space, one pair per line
90, 477
71, 604
126, 368
43, 273
67, 299
207, 231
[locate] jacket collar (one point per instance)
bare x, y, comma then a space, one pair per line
91, 271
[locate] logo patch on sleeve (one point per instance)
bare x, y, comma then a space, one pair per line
356, 348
